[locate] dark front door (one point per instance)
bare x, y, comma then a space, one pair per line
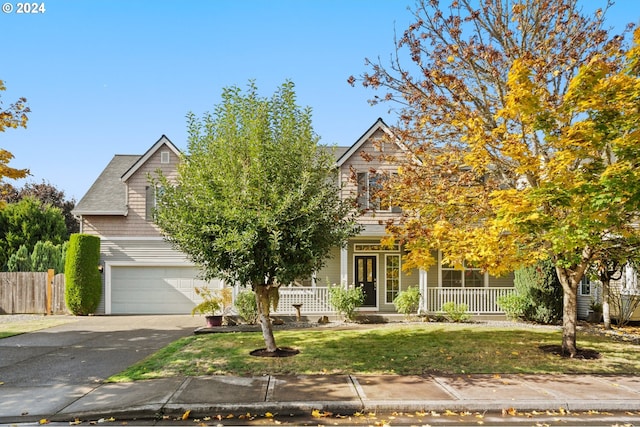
366, 278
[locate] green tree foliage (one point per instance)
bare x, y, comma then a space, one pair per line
19, 260
47, 256
46, 193
26, 223
540, 293
82, 277
256, 200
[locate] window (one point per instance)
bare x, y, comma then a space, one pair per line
150, 202
374, 247
151, 194
369, 184
392, 277
585, 286
164, 157
465, 277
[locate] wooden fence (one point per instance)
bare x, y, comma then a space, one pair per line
38, 293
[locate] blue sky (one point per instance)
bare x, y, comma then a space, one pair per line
105, 77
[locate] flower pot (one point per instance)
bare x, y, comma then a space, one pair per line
213, 321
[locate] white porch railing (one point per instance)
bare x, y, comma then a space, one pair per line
313, 300
479, 300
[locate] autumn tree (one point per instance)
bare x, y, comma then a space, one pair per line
12, 117
522, 118
256, 200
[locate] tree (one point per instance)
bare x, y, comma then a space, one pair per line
12, 117
48, 194
256, 200
523, 150
26, 223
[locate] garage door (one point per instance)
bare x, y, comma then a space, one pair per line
153, 290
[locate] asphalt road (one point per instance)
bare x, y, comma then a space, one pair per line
88, 349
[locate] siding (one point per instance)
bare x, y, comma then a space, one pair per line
143, 252
134, 223
358, 163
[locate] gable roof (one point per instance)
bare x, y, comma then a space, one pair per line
150, 152
108, 194
378, 125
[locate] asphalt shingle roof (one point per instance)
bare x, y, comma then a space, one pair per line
107, 195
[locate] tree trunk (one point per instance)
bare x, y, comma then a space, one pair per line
569, 311
263, 302
606, 307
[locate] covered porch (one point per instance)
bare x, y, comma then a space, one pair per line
315, 299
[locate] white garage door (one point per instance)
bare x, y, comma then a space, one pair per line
153, 290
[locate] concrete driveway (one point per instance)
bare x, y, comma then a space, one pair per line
60, 364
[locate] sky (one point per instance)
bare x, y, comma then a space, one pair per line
106, 77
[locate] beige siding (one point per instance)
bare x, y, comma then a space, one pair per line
331, 271
358, 163
134, 223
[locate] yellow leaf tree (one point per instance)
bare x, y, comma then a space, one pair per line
522, 117
12, 117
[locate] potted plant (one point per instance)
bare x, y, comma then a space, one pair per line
216, 303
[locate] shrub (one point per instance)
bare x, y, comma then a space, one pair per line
345, 300
408, 301
46, 255
456, 312
514, 306
82, 278
247, 306
541, 291
19, 260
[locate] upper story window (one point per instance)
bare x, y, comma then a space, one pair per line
165, 157
151, 195
369, 186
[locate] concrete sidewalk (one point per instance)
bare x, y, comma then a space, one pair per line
338, 394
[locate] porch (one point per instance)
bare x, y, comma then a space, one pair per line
480, 301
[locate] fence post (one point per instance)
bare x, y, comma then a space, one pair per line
50, 275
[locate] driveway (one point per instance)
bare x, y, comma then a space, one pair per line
67, 361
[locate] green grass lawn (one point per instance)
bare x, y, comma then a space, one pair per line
386, 349
8, 329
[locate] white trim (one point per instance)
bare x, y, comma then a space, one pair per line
150, 152
107, 274
165, 157
485, 275
344, 266
379, 124
424, 293
96, 213
386, 287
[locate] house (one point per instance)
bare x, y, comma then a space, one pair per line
143, 274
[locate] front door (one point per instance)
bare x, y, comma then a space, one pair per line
366, 278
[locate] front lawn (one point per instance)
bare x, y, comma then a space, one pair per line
386, 349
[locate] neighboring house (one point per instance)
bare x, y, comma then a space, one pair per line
143, 274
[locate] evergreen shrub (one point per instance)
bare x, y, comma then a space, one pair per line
83, 284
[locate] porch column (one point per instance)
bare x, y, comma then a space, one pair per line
422, 284
344, 262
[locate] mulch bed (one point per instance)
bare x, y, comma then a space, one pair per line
280, 352
583, 353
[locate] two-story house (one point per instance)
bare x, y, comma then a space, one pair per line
143, 274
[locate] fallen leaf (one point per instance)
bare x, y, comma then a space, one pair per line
268, 415
186, 414
44, 421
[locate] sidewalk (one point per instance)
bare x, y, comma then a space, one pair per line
338, 394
